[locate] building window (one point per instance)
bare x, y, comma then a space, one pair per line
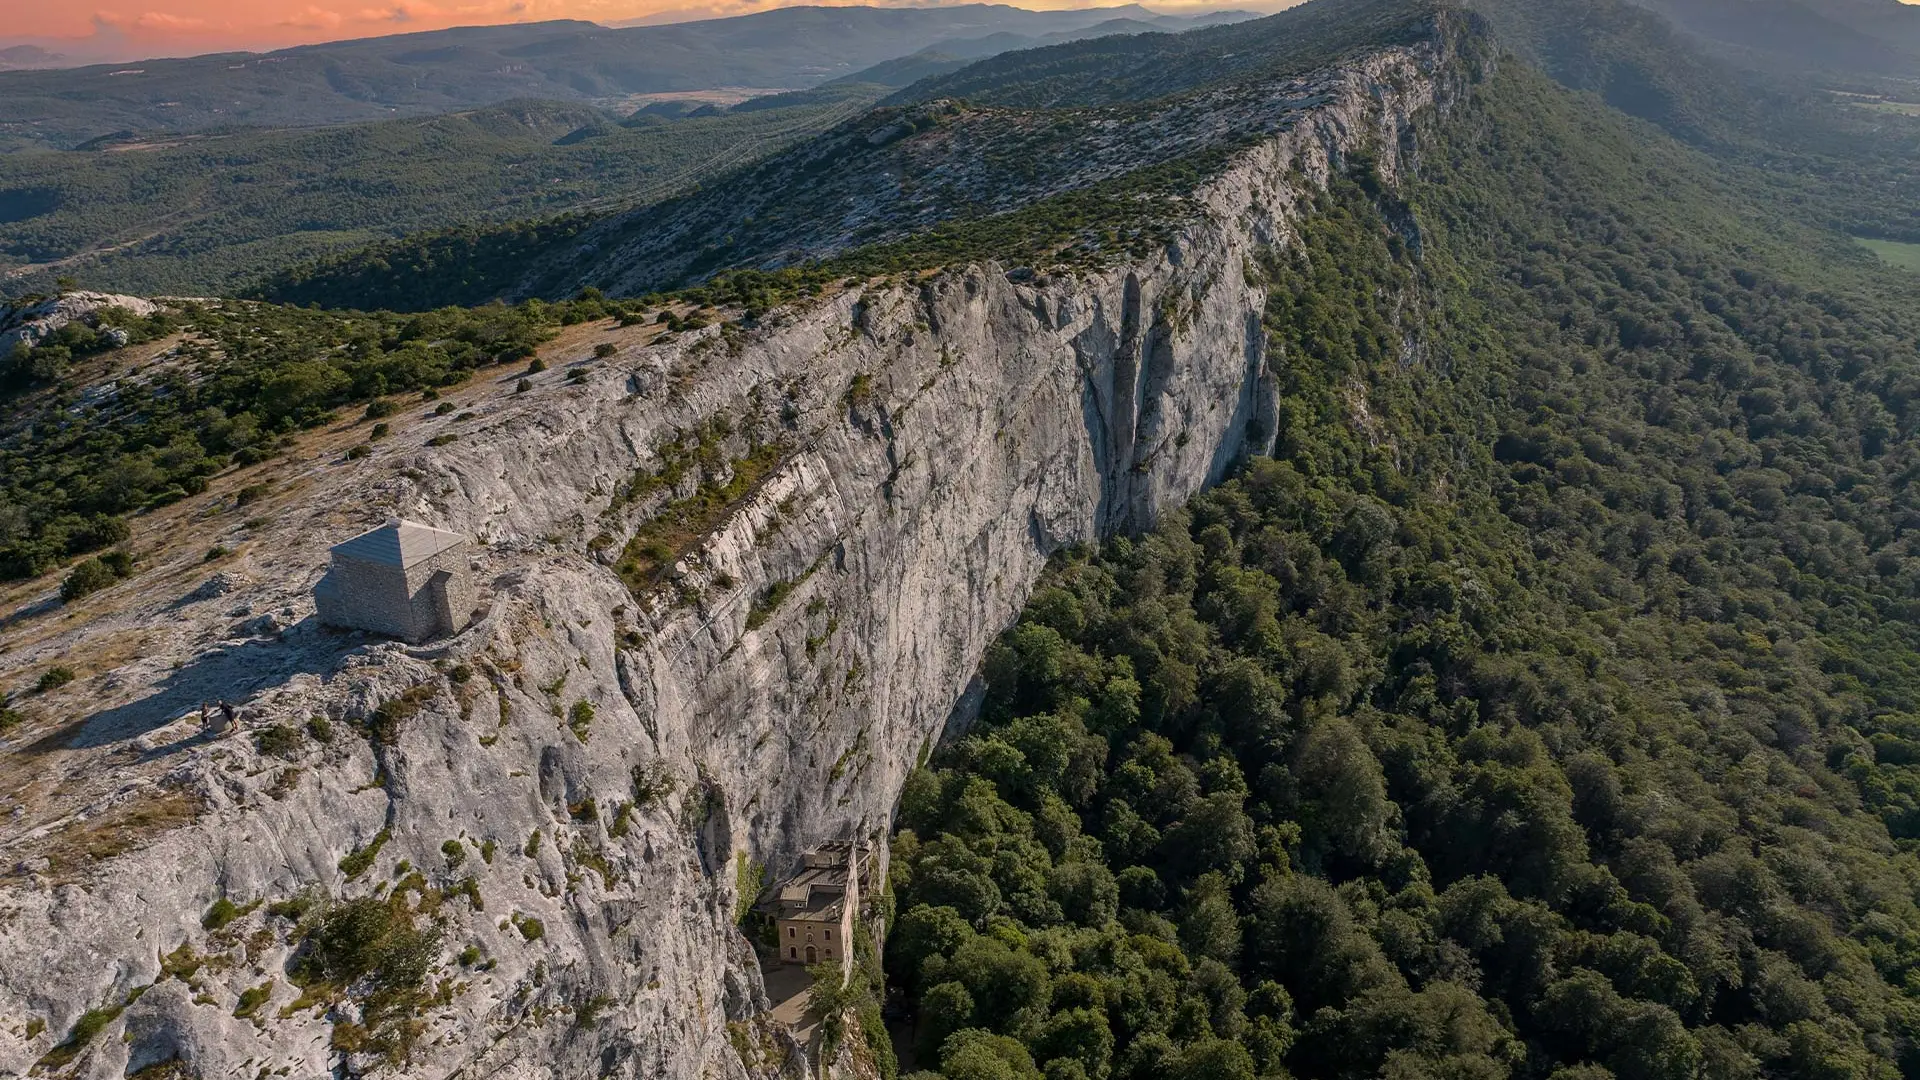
793, 953
789, 931
829, 935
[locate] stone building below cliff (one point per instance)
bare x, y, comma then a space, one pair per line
815, 909
403, 579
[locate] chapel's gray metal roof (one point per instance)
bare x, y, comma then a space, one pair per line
398, 543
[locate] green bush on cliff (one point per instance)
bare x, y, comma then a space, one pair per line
374, 949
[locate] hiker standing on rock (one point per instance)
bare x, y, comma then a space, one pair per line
216, 719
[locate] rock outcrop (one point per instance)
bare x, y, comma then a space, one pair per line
30, 323
916, 453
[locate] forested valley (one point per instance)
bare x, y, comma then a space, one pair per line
215, 213
1543, 707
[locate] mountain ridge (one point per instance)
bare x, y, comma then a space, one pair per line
1634, 58
892, 172
439, 70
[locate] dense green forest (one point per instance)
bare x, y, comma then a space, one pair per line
212, 214
1544, 707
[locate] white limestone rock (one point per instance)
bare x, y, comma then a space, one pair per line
30, 323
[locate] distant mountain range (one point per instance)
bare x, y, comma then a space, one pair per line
184, 211
443, 70
953, 54
15, 57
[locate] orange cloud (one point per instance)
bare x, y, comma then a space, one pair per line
313, 18
184, 27
421, 14
205, 25
157, 22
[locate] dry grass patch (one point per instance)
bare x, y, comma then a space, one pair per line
681, 524
132, 824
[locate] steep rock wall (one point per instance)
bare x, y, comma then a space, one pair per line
936, 443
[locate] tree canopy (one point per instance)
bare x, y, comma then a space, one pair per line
1542, 707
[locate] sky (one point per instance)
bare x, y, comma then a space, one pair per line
125, 29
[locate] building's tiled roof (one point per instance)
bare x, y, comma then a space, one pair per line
797, 889
398, 543
822, 911
835, 853
817, 892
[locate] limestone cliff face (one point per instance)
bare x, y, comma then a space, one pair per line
931, 446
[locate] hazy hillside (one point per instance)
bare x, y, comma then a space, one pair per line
1840, 160
1844, 37
210, 214
27, 56
444, 70
954, 53
1001, 135
212, 211
1031, 124
1112, 71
